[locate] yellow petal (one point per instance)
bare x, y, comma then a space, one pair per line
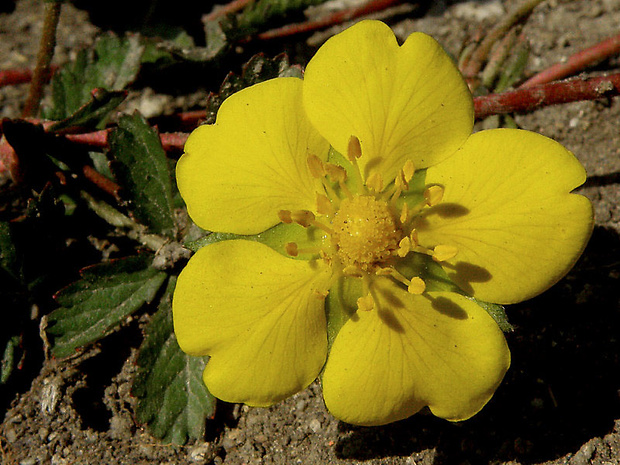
403, 103
238, 173
508, 209
258, 315
439, 350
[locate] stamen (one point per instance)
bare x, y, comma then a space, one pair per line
336, 173
354, 150
433, 195
404, 214
401, 181
330, 191
322, 226
413, 236
291, 249
324, 205
303, 217
444, 252
285, 216
404, 247
416, 286
408, 170
316, 166
375, 182
366, 303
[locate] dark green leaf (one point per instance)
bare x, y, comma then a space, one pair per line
9, 361
258, 69
142, 169
12, 298
261, 13
514, 69
93, 113
112, 65
9, 262
173, 399
104, 296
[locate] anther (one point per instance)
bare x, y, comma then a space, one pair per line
401, 182
291, 249
433, 195
416, 286
324, 205
285, 216
375, 182
306, 219
404, 214
316, 166
303, 218
404, 247
444, 252
354, 150
336, 173
366, 303
408, 170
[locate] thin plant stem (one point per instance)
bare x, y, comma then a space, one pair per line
531, 98
335, 18
474, 64
577, 62
229, 8
44, 58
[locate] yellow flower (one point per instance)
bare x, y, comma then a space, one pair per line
355, 262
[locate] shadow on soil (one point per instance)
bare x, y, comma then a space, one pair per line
562, 388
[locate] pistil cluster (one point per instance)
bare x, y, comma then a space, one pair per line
365, 234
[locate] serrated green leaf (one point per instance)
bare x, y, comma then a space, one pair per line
142, 170
173, 399
257, 69
104, 296
112, 65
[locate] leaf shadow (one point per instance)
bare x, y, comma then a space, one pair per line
562, 388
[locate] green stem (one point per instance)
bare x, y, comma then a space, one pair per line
473, 66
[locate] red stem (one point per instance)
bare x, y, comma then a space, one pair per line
530, 98
335, 18
12, 77
15, 76
577, 62
99, 139
520, 100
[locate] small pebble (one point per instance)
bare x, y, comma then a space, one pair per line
315, 425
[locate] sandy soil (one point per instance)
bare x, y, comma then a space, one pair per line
559, 403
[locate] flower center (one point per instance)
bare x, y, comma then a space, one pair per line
365, 232
366, 236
